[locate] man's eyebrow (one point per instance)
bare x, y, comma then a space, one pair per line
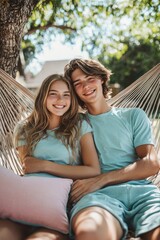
80, 79
76, 80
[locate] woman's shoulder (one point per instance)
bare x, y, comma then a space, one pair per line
85, 124
84, 118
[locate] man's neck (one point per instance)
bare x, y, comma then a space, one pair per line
99, 108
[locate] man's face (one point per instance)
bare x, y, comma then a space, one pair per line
88, 88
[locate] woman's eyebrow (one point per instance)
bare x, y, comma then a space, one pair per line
53, 90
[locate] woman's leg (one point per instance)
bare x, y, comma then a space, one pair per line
47, 234
151, 235
10, 230
97, 224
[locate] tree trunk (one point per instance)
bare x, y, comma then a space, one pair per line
14, 15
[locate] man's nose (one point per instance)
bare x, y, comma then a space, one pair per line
85, 84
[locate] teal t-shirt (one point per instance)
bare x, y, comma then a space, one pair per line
52, 149
117, 133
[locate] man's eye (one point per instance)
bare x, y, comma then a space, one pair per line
77, 84
91, 79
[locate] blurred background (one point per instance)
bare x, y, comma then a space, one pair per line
122, 34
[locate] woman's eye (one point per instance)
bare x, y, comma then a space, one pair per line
67, 95
52, 94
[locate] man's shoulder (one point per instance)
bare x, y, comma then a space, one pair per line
130, 114
129, 110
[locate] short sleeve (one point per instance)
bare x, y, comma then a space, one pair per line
142, 131
21, 141
85, 127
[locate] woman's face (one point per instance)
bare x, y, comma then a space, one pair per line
58, 99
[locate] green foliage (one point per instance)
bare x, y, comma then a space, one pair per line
28, 50
110, 30
137, 60
121, 20
39, 28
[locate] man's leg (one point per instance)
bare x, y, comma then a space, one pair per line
151, 235
47, 234
145, 213
97, 224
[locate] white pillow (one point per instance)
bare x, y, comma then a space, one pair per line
38, 201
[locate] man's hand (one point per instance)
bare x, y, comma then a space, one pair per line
82, 187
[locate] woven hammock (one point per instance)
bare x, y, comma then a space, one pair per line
16, 102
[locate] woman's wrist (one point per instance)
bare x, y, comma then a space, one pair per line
48, 167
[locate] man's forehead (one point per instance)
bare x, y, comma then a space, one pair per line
78, 74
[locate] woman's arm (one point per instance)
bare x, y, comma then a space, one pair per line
90, 167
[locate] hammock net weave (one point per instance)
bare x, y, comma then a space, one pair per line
16, 102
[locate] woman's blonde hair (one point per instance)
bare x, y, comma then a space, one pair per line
91, 68
35, 126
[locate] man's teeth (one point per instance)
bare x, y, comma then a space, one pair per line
88, 93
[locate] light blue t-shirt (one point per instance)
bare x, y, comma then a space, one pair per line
117, 133
51, 148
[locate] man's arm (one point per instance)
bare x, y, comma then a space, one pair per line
146, 166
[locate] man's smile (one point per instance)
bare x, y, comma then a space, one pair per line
90, 92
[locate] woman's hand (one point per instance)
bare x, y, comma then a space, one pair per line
33, 165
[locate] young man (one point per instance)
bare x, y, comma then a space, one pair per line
120, 198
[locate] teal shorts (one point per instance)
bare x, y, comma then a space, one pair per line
136, 207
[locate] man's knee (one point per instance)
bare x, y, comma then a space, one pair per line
151, 235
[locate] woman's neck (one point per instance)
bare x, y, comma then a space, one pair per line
54, 122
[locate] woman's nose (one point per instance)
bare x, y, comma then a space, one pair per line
60, 98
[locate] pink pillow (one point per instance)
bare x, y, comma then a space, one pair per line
38, 201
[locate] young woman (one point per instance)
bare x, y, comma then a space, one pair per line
54, 131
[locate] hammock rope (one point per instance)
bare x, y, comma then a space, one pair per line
16, 102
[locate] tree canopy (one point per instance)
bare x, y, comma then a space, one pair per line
110, 31
123, 35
